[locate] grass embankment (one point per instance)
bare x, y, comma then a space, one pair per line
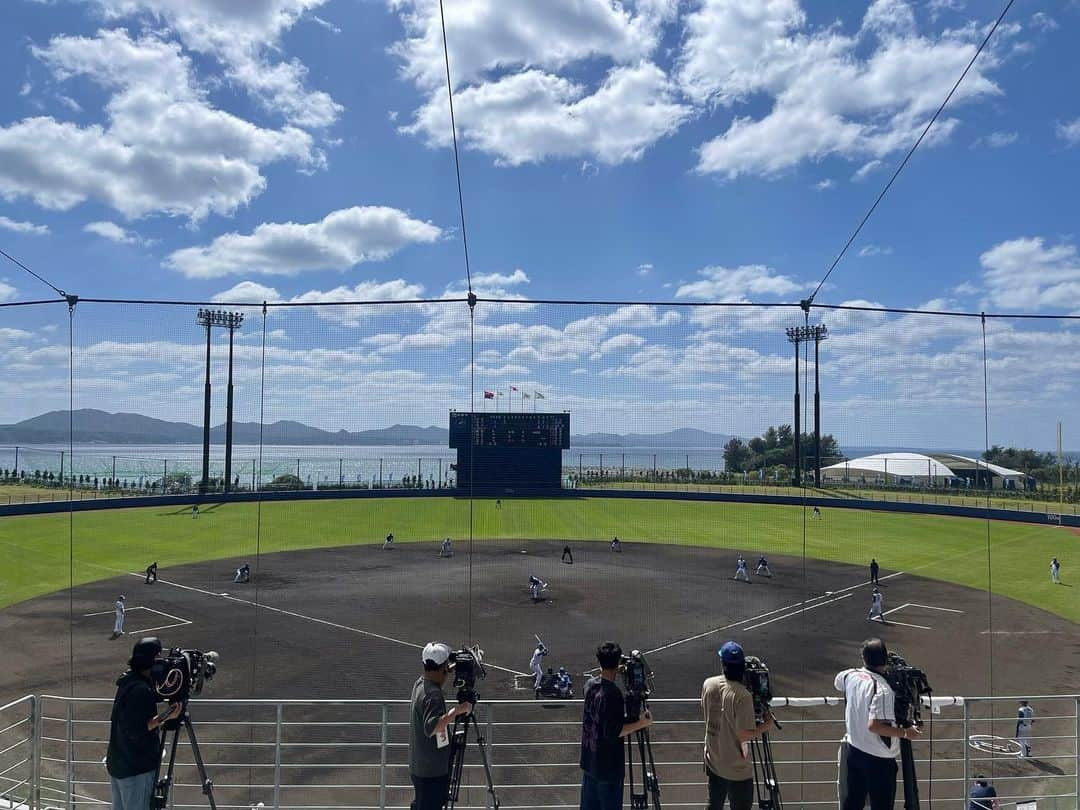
106, 543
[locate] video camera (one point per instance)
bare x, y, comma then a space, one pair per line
910, 684
756, 680
180, 673
637, 681
468, 664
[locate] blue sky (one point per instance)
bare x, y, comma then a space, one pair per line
714, 150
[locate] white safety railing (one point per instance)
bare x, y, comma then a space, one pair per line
353, 754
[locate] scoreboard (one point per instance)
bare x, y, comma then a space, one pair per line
504, 453
510, 430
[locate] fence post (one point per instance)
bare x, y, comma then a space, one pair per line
382, 757
966, 732
1076, 747
490, 742
69, 759
278, 729
35, 753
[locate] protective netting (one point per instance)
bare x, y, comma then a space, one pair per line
682, 424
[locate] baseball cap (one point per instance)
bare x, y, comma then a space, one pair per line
732, 653
436, 651
144, 651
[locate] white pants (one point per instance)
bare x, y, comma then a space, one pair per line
740, 573
875, 611
1054, 576
763, 569
538, 671
118, 628
1023, 736
535, 592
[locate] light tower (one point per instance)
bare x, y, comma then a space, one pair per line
210, 318
798, 335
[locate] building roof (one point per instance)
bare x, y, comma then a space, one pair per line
920, 465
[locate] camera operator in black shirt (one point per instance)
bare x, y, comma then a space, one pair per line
134, 745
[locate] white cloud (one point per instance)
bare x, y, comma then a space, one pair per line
644, 269
966, 288
164, 149
340, 240
875, 250
532, 116
1070, 132
866, 170
737, 283
509, 60
996, 140
1043, 21
244, 36
1027, 274
858, 97
825, 185
248, 292
113, 232
23, 227
7, 292
519, 276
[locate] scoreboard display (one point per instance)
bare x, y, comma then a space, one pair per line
510, 430
506, 453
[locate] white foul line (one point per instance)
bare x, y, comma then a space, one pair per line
761, 616
934, 607
797, 612
314, 619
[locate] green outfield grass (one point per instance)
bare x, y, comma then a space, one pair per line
110, 542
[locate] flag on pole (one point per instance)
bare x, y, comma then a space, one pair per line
514, 388
489, 395
538, 395
525, 396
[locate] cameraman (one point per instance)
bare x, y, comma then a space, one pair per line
603, 726
869, 749
134, 745
729, 727
429, 742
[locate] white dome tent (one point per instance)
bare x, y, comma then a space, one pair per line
923, 469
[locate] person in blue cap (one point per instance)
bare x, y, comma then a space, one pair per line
729, 727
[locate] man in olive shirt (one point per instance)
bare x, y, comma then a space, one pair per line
429, 741
729, 728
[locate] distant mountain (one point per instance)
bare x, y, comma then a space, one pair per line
99, 427
680, 437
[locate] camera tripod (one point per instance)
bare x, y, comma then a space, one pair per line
911, 779
649, 785
160, 799
766, 785
459, 738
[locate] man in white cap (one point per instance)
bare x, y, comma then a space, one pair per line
429, 741
118, 628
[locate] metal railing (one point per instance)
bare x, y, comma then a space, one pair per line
311, 754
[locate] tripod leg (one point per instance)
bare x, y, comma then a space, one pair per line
481, 743
207, 782
162, 784
652, 782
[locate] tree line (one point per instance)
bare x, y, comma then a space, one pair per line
775, 448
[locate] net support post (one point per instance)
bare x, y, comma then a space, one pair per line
279, 728
966, 736
69, 756
490, 734
35, 753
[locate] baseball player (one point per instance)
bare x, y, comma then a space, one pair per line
151, 573
389, 542
536, 586
566, 552
194, 511
1025, 719
616, 545
816, 514
877, 607
498, 503
118, 628
447, 549
763, 567
740, 570
563, 682
243, 573
536, 663
874, 568
1055, 571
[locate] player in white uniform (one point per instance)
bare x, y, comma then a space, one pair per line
447, 549
763, 567
1055, 571
536, 586
536, 663
1025, 719
118, 628
740, 571
877, 607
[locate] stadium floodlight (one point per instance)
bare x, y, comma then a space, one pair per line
210, 318
798, 335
